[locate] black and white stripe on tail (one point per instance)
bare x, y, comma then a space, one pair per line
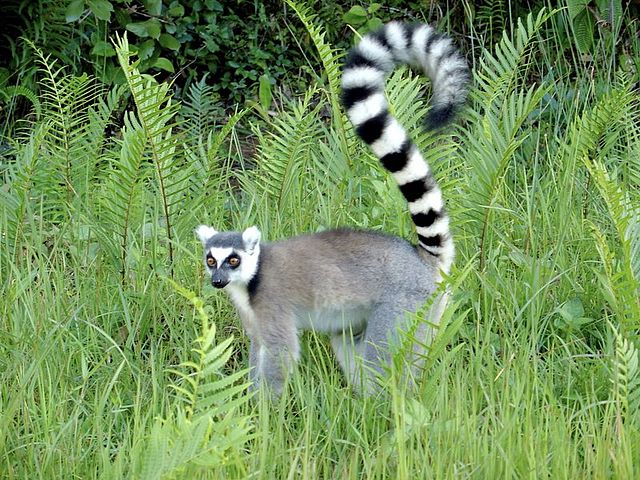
363, 78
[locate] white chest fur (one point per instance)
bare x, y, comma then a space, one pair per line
240, 298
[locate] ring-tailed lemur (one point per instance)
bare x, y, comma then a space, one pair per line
354, 285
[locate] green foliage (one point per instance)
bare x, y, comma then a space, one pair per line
589, 17
492, 17
363, 19
621, 266
625, 376
83, 198
329, 58
204, 426
156, 111
598, 134
284, 156
246, 47
499, 123
571, 316
59, 166
235, 44
120, 204
10, 92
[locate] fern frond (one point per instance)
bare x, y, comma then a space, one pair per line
72, 140
625, 377
209, 172
179, 447
596, 132
120, 196
330, 58
211, 358
582, 24
284, 154
23, 183
623, 268
498, 123
12, 91
604, 123
499, 70
156, 113
205, 424
492, 14
498, 130
101, 122
200, 111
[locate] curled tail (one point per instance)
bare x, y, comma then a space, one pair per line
363, 80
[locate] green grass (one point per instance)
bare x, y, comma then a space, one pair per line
110, 370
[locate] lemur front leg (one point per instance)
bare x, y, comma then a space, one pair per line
273, 353
254, 347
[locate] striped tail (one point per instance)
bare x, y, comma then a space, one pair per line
363, 79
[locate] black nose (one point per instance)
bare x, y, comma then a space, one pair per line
218, 283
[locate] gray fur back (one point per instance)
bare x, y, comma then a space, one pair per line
341, 268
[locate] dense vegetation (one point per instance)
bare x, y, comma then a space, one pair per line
117, 360
240, 46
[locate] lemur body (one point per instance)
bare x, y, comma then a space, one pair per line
356, 286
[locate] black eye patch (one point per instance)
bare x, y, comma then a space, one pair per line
233, 261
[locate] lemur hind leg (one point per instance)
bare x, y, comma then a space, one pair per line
349, 350
392, 329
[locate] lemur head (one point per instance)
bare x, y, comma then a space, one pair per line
230, 257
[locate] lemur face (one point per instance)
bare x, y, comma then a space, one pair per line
230, 257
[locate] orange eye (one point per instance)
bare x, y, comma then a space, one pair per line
211, 262
234, 261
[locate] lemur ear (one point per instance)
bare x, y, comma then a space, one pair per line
251, 238
204, 233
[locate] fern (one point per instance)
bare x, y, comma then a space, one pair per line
582, 24
199, 111
492, 15
497, 122
120, 198
12, 91
181, 170
71, 148
203, 143
204, 424
604, 124
56, 156
499, 71
23, 179
596, 133
586, 20
328, 55
101, 122
208, 171
284, 155
156, 113
625, 377
200, 398
621, 280
330, 61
